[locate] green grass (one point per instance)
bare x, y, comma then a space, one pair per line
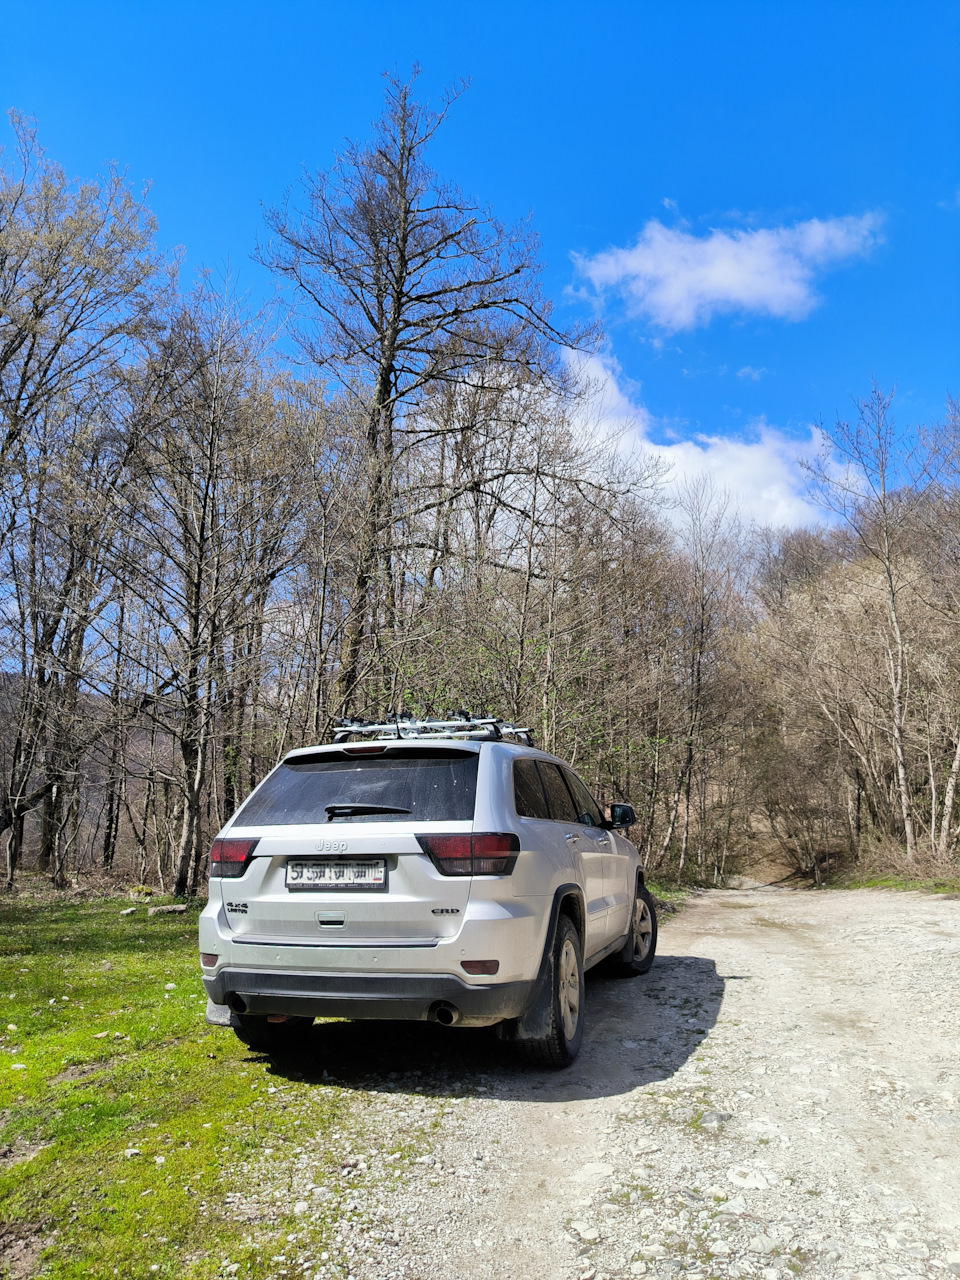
190, 1099
669, 893
902, 883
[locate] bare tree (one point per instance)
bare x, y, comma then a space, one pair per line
208, 516
58, 585
77, 280
882, 478
406, 284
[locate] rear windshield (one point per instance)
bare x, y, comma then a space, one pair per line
427, 786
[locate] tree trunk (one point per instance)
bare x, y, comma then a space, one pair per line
949, 800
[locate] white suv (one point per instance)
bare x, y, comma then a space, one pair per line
432, 870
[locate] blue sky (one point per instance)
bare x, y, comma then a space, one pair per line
761, 200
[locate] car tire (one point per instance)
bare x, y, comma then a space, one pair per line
561, 1044
641, 946
270, 1037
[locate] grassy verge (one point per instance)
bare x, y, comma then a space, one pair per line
124, 1120
669, 895
894, 881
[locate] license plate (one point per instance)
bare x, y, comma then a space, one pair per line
336, 873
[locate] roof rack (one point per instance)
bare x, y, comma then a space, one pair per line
460, 725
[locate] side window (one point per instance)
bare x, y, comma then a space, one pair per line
588, 811
558, 797
527, 791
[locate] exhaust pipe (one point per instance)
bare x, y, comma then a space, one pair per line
236, 1002
446, 1014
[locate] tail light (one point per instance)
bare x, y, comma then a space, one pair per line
230, 858
485, 854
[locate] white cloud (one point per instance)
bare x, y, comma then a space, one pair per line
748, 371
760, 469
761, 473
680, 280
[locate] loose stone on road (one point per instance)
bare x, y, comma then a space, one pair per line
779, 1096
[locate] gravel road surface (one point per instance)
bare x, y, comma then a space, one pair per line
779, 1096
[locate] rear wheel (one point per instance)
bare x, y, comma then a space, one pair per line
270, 1037
641, 945
562, 1043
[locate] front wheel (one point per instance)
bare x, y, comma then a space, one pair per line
561, 1044
641, 945
270, 1037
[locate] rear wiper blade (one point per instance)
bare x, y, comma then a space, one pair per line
359, 810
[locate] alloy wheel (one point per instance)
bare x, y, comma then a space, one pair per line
569, 989
642, 929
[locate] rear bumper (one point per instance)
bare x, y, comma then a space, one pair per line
388, 996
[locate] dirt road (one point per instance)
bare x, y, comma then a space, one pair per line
780, 1095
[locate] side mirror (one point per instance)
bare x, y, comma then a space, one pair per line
622, 815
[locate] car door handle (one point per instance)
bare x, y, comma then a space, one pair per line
570, 836
602, 840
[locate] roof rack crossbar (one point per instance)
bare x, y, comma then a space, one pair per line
483, 728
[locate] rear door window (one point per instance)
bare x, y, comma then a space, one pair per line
431, 785
528, 794
558, 797
588, 811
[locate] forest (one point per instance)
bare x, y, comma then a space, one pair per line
223, 528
